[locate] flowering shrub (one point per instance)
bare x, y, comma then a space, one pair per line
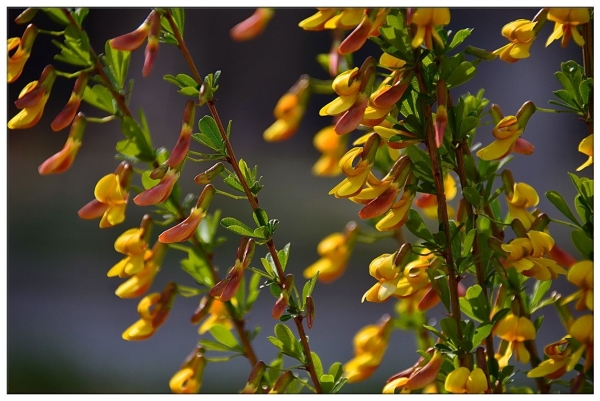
403, 141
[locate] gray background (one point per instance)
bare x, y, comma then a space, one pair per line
64, 321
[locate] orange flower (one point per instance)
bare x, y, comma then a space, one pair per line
32, 100
332, 146
16, 62
187, 228
253, 26
526, 255
61, 161
141, 282
66, 115
160, 192
226, 288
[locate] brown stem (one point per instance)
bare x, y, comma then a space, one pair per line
462, 175
442, 207
252, 199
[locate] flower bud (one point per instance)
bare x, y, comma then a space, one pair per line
151, 51
66, 115
16, 62
160, 192
253, 26
132, 40
26, 15
256, 375
310, 311
182, 146
282, 383
61, 161
187, 228
202, 310
357, 38
209, 175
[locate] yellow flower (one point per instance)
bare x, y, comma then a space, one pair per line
370, 344
132, 244
507, 131
188, 379
32, 100
332, 146
526, 256
317, 21
356, 176
566, 21
153, 310
426, 19
462, 380
335, 250
218, 315
582, 275
586, 146
16, 62
561, 360
111, 195
140, 282
523, 197
397, 214
521, 36
514, 330
289, 111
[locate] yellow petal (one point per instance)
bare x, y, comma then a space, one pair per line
497, 149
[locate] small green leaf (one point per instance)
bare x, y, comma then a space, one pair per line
472, 195
559, 202
237, 226
308, 288
148, 182
224, 336
468, 243
283, 255
118, 63
450, 329
260, 217
327, 382
461, 74
583, 243
99, 96
435, 331
417, 227
460, 37
465, 307
291, 346
209, 134
317, 364
189, 91
539, 290
210, 345
481, 333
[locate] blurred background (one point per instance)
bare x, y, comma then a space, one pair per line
64, 320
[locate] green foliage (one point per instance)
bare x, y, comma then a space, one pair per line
577, 89
76, 48
187, 85
285, 341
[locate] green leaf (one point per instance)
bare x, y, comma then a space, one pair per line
132, 131
459, 37
57, 15
585, 90
566, 97
435, 331
417, 227
198, 268
472, 195
583, 243
336, 370
233, 224
481, 333
468, 243
260, 217
327, 383
118, 63
269, 268
99, 96
148, 182
224, 336
209, 134
308, 288
559, 202
189, 91
461, 74
253, 290
317, 364
450, 329
290, 346
465, 307
539, 290
233, 182
210, 345
283, 255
